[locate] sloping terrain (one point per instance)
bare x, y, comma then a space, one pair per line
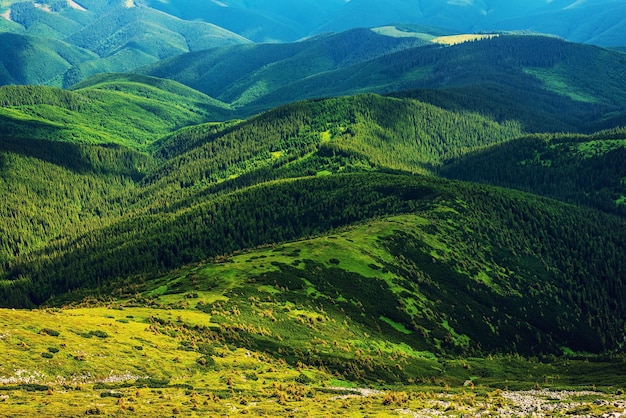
565, 87
65, 155
126, 35
597, 22
267, 264
33, 60
582, 169
63, 43
242, 74
309, 168
159, 257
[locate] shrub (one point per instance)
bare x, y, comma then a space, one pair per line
93, 411
206, 361
97, 333
303, 379
50, 332
111, 394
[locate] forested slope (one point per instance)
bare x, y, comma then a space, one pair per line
244, 73
582, 169
565, 87
335, 135
66, 155
306, 170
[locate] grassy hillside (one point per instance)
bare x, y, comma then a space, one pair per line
275, 262
284, 176
129, 110
339, 135
186, 362
458, 255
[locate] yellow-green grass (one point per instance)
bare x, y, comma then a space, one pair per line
92, 344
461, 38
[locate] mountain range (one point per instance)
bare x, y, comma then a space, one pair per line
80, 39
598, 22
272, 209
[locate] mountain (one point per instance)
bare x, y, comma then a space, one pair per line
276, 178
598, 22
260, 21
242, 74
396, 220
32, 60
277, 235
66, 151
595, 22
130, 110
198, 157
66, 42
566, 87
126, 35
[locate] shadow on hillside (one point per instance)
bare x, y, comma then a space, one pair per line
79, 158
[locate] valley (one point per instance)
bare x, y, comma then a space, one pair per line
386, 221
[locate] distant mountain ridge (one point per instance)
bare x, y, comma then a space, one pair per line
84, 38
549, 84
68, 41
593, 21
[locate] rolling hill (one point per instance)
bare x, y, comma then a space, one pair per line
582, 169
315, 168
64, 153
242, 74
382, 222
33, 60
568, 87
294, 257
62, 43
61, 36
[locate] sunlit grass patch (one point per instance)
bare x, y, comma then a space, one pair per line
458, 39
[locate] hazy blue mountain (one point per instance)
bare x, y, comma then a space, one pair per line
121, 36
261, 21
590, 21
128, 34
35, 60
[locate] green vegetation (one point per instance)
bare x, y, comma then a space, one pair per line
582, 169
243, 74
125, 110
544, 83
63, 43
180, 265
